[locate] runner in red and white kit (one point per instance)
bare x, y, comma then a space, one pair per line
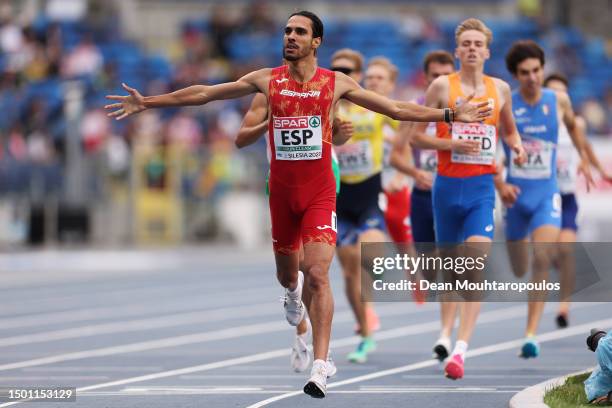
302, 188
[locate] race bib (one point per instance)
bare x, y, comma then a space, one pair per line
567, 169
355, 158
485, 134
298, 138
539, 160
428, 160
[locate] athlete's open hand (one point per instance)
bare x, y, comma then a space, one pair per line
520, 156
469, 113
397, 183
132, 103
423, 179
466, 146
585, 168
342, 131
606, 175
346, 129
508, 193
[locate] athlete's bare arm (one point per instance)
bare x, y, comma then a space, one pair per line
401, 156
436, 96
578, 139
256, 81
506, 118
581, 127
347, 88
401, 147
255, 122
342, 131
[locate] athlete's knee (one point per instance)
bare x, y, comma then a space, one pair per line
286, 278
317, 277
541, 261
565, 251
372, 235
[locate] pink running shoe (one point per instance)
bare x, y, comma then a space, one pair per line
372, 319
454, 367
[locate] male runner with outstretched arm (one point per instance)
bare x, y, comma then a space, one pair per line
301, 97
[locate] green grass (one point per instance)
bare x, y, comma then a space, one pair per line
569, 395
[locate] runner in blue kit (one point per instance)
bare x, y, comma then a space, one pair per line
423, 170
567, 177
531, 192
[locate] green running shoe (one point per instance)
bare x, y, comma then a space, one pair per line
360, 355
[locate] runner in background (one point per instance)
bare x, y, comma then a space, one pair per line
359, 217
530, 192
423, 170
463, 191
567, 177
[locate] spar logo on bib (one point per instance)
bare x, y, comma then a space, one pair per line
486, 135
298, 137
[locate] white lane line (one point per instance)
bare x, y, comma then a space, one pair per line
490, 316
91, 369
232, 376
422, 391
99, 313
170, 320
494, 348
435, 387
140, 308
268, 392
56, 377
167, 393
154, 296
202, 337
176, 341
483, 376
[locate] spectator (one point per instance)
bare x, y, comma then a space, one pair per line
595, 116
85, 59
221, 28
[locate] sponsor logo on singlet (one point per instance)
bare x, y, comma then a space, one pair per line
309, 94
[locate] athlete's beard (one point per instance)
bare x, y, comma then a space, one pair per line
295, 57
290, 57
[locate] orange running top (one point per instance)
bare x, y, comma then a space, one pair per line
452, 164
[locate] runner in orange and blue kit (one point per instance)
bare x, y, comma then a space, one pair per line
463, 192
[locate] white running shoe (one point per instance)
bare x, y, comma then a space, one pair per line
316, 386
331, 366
441, 350
294, 307
300, 354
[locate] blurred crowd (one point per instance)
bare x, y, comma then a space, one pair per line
41, 53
